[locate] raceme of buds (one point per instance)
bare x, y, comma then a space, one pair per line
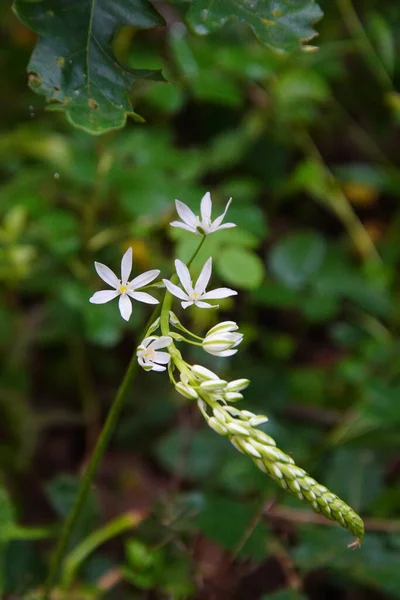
213, 394
239, 426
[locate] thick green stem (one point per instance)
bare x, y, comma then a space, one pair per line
101, 445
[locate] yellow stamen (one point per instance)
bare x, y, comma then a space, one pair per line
122, 288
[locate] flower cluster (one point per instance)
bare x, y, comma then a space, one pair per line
213, 395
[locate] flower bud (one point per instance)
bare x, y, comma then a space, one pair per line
237, 385
186, 390
173, 319
213, 385
223, 327
203, 373
222, 342
233, 396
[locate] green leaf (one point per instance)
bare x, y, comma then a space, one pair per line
240, 267
226, 522
280, 24
73, 64
297, 258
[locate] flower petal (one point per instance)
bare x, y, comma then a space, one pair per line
184, 276
185, 213
187, 304
219, 293
206, 207
147, 341
226, 353
162, 342
125, 306
143, 297
204, 277
162, 357
214, 227
106, 274
143, 279
103, 296
183, 226
155, 367
201, 304
219, 219
126, 266
175, 290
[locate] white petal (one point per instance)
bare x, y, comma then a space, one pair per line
224, 326
175, 290
201, 304
155, 367
184, 276
225, 353
162, 357
205, 207
143, 279
183, 226
125, 307
187, 304
204, 277
219, 293
143, 297
141, 360
219, 227
185, 213
103, 296
162, 342
219, 219
126, 266
106, 274
147, 341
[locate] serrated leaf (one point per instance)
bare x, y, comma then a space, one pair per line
280, 24
73, 64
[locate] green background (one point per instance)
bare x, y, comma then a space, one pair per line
307, 145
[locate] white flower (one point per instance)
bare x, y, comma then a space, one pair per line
122, 287
195, 295
221, 339
147, 354
193, 223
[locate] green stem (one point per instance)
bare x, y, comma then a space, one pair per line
356, 28
101, 445
94, 540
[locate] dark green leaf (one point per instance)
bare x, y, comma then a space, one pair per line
240, 267
73, 64
280, 24
297, 258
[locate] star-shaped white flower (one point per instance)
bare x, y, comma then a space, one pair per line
147, 354
204, 226
197, 294
122, 287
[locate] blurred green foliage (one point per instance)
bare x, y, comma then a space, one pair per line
307, 146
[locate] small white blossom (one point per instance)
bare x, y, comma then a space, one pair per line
193, 223
122, 287
148, 356
221, 339
197, 294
